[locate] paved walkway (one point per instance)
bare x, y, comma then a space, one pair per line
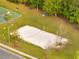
5, 54
19, 52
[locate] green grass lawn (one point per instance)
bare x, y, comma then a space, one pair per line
47, 23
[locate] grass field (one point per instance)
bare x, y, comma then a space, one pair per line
51, 24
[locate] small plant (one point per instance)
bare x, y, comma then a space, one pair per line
8, 17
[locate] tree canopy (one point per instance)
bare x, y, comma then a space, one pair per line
66, 8
52, 6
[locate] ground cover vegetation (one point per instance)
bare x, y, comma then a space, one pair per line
47, 23
66, 8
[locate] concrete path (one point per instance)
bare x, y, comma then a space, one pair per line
19, 52
5, 54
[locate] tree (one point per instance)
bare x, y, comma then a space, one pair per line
66, 8
70, 9
36, 3
52, 6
